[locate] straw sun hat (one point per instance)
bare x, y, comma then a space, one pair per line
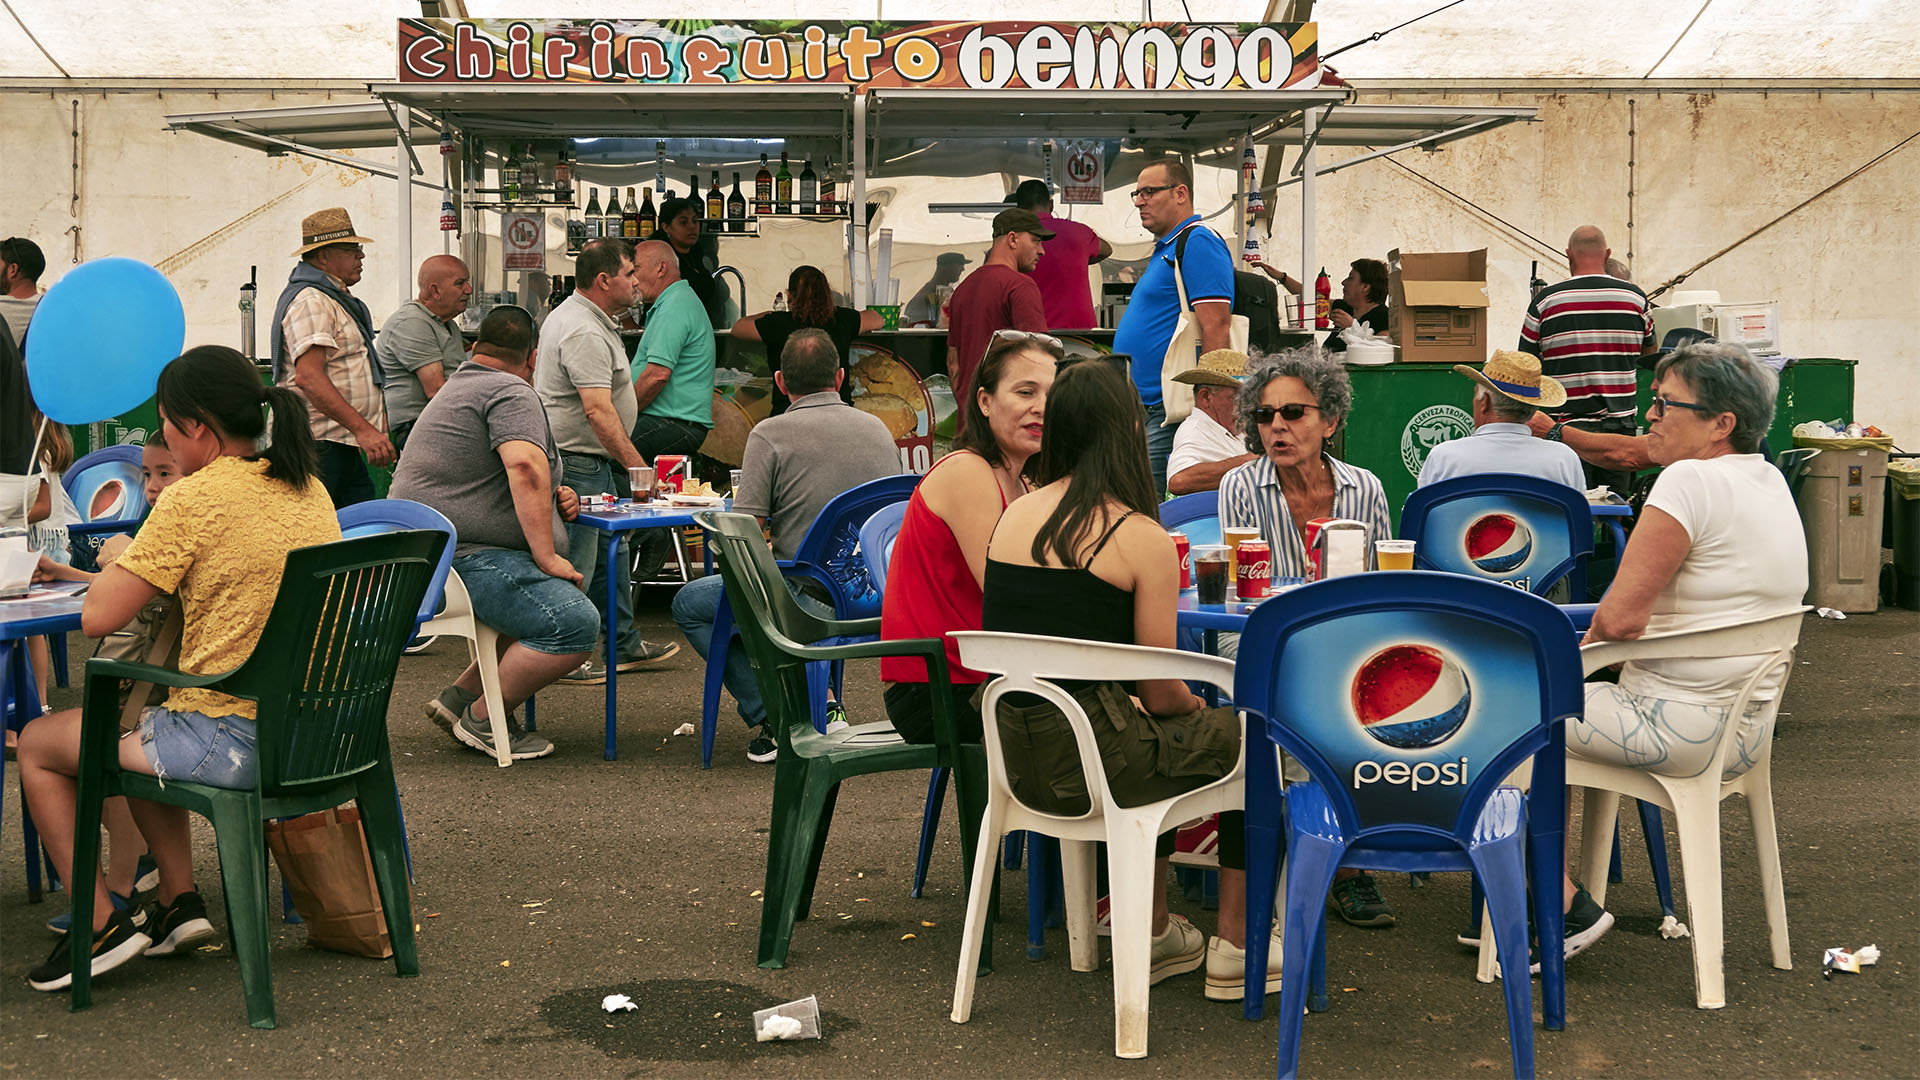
1517, 375
329, 226
1221, 367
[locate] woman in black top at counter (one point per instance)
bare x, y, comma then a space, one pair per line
1363, 299
809, 304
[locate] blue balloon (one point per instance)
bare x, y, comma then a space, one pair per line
99, 339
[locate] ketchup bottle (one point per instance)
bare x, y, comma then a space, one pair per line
1322, 300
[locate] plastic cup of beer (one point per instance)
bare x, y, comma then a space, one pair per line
1212, 569
641, 479
1393, 554
1233, 538
734, 479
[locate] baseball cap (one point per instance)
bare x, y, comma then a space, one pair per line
1018, 220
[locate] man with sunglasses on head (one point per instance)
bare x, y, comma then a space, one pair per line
1001, 295
1163, 195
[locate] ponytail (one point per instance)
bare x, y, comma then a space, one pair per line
218, 387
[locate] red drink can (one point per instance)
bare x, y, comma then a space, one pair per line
1181, 546
1253, 569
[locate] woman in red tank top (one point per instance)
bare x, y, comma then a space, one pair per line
940, 557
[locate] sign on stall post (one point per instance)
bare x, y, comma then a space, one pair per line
1086, 173
523, 241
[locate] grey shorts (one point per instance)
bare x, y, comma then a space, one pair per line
217, 751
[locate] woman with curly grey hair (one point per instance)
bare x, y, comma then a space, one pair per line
1289, 407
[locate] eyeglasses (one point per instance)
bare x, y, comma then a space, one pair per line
1291, 411
1046, 340
1661, 405
1142, 194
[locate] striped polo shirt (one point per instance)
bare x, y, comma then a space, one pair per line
1250, 498
1589, 333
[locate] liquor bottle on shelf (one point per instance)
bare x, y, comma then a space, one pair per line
530, 176
736, 208
554, 297
596, 225
826, 187
809, 189
563, 174
698, 200
648, 219
576, 226
763, 189
630, 218
716, 207
783, 187
510, 177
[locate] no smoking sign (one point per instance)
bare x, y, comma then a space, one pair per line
523, 240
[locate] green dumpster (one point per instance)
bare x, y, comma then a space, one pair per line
1400, 413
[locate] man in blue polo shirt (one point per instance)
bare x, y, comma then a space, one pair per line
1164, 197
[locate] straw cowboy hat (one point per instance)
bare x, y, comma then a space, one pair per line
1221, 367
329, 226
1517, 375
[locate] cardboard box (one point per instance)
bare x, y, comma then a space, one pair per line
1437, 305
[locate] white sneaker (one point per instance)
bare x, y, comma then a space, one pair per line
1181, 949
1227, 969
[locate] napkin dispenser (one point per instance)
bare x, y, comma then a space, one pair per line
1336, 546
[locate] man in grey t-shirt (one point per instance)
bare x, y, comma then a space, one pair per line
795, 464
482, 455
419, 346
587, 388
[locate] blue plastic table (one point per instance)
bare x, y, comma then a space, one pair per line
623, 518
21, 619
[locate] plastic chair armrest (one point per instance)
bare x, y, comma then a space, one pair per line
101, 668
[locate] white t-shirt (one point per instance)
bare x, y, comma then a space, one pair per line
1748, 559
1200, 439
49, 535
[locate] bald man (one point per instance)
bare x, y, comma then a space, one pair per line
1589, 332
419, 346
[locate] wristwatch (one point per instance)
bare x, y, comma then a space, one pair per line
1553, 433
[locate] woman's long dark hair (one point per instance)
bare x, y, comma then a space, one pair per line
216, 386
975, 433
809, 297
1095, 438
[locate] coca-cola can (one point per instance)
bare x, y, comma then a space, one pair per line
1181, 546
1253, 569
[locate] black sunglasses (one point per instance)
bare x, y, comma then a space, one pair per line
1289, 412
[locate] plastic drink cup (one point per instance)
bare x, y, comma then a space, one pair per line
1393, 554
1212, 566
640, 477
1233, 538
734, 478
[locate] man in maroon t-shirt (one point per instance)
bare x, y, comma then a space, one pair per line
998, 296
1062, 273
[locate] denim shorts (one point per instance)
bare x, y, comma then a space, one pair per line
517, 598
214, 750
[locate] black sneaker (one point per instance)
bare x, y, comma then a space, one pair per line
178, 927
1586, 923
761, 748
1357, 900
118, 942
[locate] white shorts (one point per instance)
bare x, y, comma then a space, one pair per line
1672, 738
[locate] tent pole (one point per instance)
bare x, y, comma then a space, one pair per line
1309, 124
402, 158
858, 255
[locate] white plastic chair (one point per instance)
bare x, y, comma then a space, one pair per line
1024, 663
1695, 800
456, 619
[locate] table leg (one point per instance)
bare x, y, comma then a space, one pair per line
24, 700
613, 677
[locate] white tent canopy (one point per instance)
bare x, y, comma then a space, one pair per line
1475, 40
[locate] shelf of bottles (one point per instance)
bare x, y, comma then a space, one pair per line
777, 191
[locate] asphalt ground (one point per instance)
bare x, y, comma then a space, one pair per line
543, 887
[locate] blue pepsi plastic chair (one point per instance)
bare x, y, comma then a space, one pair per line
107, 490
1519, 530
1197, 515
876, 542
1453, 684
399, 515
829, 554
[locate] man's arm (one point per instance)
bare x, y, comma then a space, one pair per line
1104, 253
1204, 476
432, 378
1215, 318
648, 384
597, 401
530, 482
310, 378
1619, 453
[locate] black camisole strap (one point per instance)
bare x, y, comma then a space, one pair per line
1108, 535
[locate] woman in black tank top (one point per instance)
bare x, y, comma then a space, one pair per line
1083, 557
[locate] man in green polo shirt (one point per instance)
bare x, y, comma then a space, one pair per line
672, 371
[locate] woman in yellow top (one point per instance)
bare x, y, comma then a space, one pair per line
218, 538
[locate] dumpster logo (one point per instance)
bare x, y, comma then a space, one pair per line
1499, 543
1429, 428
1411, 697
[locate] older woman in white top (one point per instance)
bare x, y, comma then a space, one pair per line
1719, 541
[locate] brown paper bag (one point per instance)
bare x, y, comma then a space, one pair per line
323, 857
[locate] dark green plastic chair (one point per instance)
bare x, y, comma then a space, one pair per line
321, 674
781, 639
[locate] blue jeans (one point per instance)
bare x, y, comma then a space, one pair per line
514, 596
590, 475
695, 607
1159, 446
